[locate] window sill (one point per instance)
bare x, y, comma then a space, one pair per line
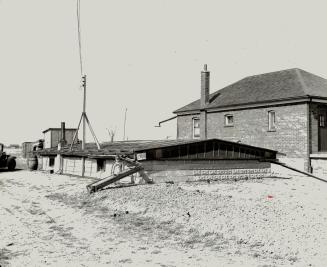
228, 125
272, 130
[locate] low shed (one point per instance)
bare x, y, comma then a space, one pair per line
165, 160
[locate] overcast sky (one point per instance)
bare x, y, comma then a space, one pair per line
143, 55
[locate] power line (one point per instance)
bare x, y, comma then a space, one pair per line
78, 11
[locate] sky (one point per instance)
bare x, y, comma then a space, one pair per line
143, 55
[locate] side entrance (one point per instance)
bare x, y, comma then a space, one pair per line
322, 129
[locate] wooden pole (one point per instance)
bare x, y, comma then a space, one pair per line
125, 124
92, 132
75, 134
84, 123
84, 111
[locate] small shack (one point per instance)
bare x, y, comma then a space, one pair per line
164, 160
53, 136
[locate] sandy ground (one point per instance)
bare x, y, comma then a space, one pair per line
48, 219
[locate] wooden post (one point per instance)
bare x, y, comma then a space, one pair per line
84, 123
84, 110
125, 124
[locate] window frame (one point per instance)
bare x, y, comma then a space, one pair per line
198, 136
226, 123
271, 126
51, 161
101, 165
322, 121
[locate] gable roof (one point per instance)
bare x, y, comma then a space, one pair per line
267, 87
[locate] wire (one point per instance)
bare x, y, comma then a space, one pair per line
78, 11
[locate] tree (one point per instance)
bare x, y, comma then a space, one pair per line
112, 134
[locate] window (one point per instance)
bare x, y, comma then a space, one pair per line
271, 120
100, 165
229, 120
196, 128
322, 121
51, 162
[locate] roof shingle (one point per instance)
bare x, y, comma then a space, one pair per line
273, 86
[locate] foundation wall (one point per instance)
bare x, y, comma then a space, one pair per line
197, 170
319, 165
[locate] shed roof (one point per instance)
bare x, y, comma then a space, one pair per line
139, 146
268, 87
59, 129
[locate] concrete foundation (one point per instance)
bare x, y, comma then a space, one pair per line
197, 170
319, 164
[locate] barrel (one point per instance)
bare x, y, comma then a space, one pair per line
32, 163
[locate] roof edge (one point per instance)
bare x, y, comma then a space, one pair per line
66, 129
251, 104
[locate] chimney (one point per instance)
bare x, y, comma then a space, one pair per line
205, 82
63, 134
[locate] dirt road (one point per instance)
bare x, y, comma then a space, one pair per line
50, 219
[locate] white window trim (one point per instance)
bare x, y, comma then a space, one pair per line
193, 129
226, 123
271, 128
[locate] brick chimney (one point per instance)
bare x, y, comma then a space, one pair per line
205, 85
63, 134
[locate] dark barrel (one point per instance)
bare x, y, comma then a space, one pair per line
32, 163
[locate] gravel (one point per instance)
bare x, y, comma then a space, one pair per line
266, 222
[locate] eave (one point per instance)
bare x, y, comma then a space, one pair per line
260, 104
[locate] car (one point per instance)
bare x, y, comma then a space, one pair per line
6, 161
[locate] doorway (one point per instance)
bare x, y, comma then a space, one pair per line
322, 130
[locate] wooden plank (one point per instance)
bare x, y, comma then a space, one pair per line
93, 187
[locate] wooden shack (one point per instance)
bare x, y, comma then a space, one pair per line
165, 160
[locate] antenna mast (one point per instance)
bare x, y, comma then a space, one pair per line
84, 117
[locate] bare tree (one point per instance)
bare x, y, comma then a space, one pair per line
112, 134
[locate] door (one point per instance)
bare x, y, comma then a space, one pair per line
322, 130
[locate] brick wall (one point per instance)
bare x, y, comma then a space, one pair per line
184, 126
251, 127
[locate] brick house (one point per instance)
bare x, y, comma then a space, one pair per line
284, 110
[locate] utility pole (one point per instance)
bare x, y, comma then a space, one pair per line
84, 117
84, 109
84, 124
125, 123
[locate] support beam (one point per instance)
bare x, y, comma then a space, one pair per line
92, 132
75, 134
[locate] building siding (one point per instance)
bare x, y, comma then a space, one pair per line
52, 137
